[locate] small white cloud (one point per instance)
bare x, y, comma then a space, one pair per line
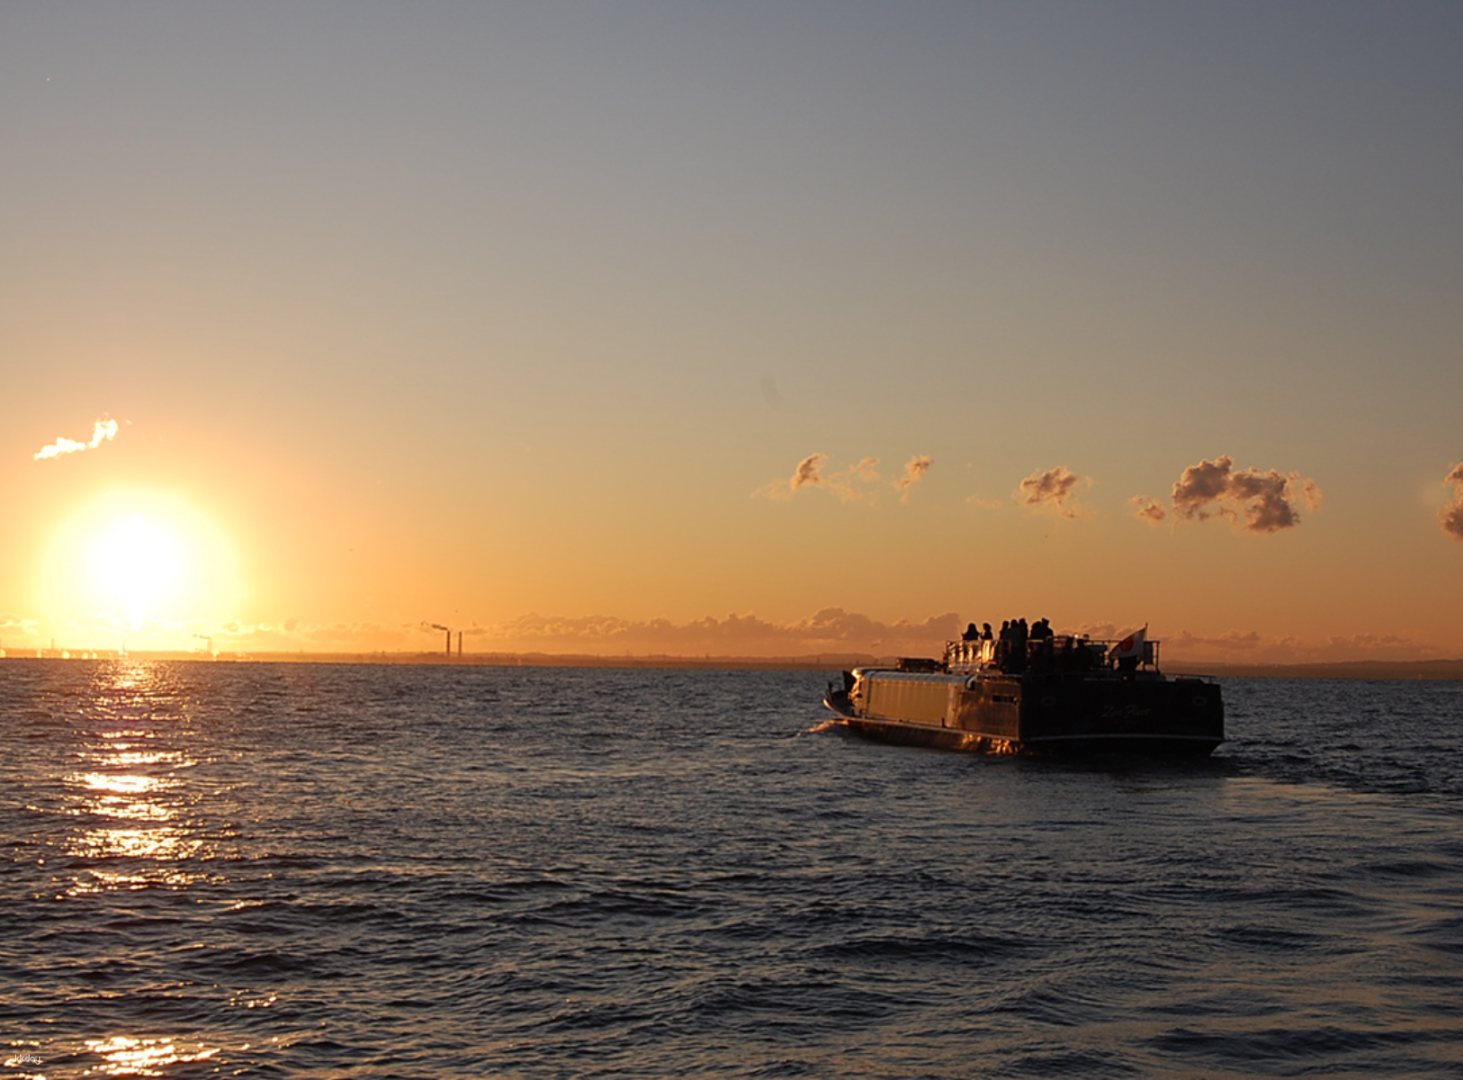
102, 431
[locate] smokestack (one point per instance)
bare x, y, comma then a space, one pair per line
459, 644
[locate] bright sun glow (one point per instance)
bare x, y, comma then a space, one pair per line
138, 564
134, 565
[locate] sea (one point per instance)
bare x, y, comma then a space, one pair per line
328, 871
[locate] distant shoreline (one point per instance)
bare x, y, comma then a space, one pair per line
1431, 670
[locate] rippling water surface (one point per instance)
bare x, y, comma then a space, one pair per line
340, 871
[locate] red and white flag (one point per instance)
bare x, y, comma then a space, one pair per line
1135, 644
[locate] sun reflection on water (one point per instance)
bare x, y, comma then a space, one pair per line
122, 1056
131, 757
120, 785
138, 813
160, 847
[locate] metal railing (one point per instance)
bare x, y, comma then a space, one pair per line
1061, 652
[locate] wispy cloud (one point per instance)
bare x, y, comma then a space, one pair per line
1255, 501
102, 431
17, 624
1054, 489
849, 485
808, 472
1450, 517
914, 469
1149, 510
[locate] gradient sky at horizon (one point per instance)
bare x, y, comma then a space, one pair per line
455, 312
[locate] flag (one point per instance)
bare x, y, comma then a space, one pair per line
1135, 644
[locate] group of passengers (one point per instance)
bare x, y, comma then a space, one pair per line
1014, 630
1018, 645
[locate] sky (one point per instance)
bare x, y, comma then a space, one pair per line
740, 329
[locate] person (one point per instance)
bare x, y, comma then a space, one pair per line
1043, 653
986, 635
971, 633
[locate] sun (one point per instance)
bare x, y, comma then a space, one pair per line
139, 565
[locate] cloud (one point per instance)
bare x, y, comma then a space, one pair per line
1201, 485
1450, 517
914, 469
1251, 647
850, 484
1229, 644
846, 484
807, 472
102, 431
829, 633
1149, 510
1054, 489
829, 630
1255, 501
13, 624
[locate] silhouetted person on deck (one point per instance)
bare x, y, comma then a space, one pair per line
1018, 646
1043, 652
971, 633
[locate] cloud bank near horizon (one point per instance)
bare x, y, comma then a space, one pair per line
828, 630
831, 632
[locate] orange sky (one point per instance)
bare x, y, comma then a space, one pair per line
741, 331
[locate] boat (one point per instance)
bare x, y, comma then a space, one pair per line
1048, 694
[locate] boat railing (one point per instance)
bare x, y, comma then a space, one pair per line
1061, 653
970, 653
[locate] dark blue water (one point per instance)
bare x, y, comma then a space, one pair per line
340, 871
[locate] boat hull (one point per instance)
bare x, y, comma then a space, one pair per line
1035, 714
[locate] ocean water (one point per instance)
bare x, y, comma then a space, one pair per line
350, 871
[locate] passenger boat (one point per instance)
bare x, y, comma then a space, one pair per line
1053, 694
